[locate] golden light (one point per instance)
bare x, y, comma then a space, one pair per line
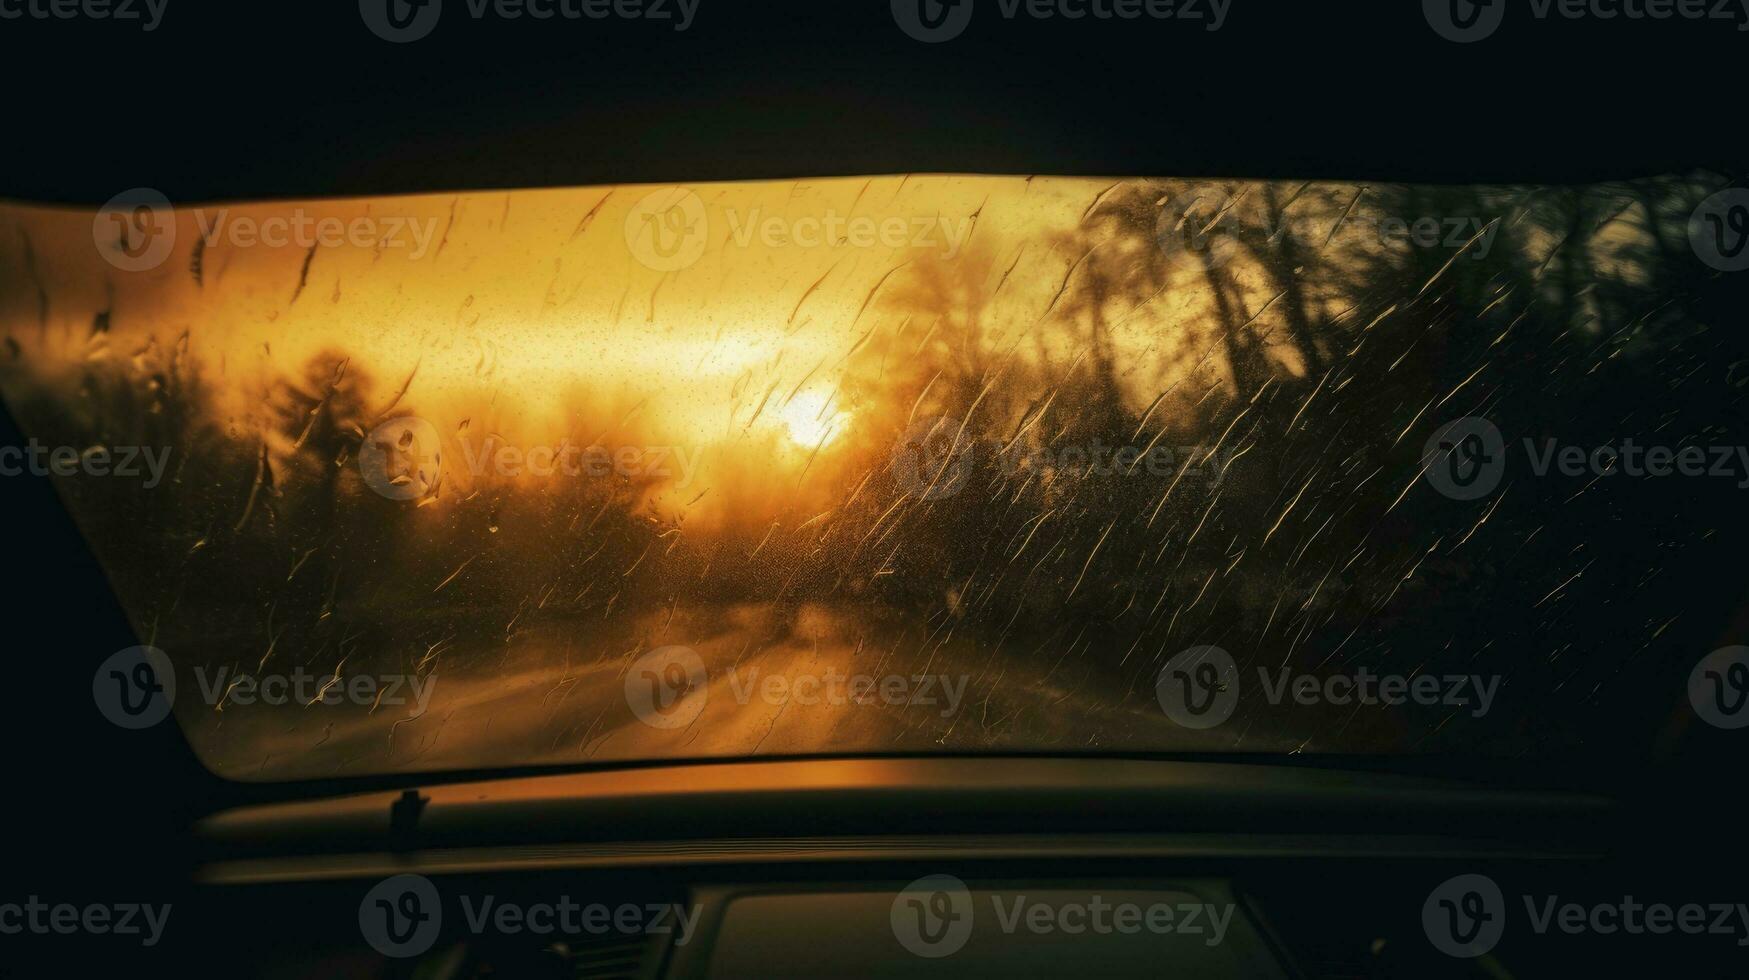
808, 420
769, 337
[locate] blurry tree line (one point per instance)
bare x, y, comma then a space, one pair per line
1270, 324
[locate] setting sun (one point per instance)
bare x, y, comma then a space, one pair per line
526, 438
809, 421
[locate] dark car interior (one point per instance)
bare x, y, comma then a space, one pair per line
1602, 804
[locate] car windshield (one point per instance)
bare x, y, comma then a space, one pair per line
923, 463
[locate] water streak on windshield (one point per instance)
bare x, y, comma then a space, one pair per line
904, 463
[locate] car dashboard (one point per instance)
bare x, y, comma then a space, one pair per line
918, 867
